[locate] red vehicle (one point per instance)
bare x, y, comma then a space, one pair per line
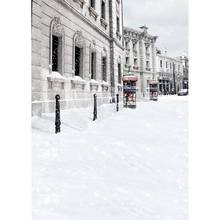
153, 90
129, 89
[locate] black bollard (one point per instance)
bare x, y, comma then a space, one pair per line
95, 108
117, 101
57, 115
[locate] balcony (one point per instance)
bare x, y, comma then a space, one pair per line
103, 23
80, 2
93, 13
148, 69
135, 67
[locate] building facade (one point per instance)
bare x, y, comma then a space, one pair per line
170, 74
77, 50
185, 63
140, 57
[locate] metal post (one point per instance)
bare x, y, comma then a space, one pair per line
95, 108
57, 115
174, 79
117, 101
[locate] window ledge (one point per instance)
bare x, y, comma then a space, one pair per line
78, 80
94, 82
56, 77
105, 84
93, 13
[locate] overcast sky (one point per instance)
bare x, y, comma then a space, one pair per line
167, 19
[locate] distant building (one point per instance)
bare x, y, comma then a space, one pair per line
185, 63
140, 57
170, 73
77, 50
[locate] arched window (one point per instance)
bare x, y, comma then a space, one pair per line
78, 53
56, 48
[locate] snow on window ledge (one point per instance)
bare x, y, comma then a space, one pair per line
105, 84
78, 80
55, 77
93, 82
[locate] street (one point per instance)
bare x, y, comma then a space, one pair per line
126, 165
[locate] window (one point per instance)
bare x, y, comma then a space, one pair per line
103, 9
56, 53
147, 64
119, 73
104, 77
118, 24
78, 61
135, 62
92, 3
93, 65
134, 46
126, 45
170, 66
166, 64
127, 60
161, 63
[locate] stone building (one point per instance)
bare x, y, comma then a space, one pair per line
140, 57
185, 63
77, 50
169, 73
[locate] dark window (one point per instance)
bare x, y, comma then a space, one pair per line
126, 45
93, 65
147, 64
166, 64
55, 56
161, 63
119, 73
127, 60
92, 3
104, 77
134, 46
135, 62
103, 10
77, 61
118, 24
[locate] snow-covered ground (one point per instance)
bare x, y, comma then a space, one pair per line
130, 165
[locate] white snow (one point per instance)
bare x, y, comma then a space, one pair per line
130, 165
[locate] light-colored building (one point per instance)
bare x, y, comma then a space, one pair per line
185, 63
77, 50
140, 57
170, 73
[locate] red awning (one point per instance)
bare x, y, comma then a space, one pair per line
129, 78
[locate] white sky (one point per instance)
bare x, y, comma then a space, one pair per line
167, 19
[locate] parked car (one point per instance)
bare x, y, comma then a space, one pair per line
183, 92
